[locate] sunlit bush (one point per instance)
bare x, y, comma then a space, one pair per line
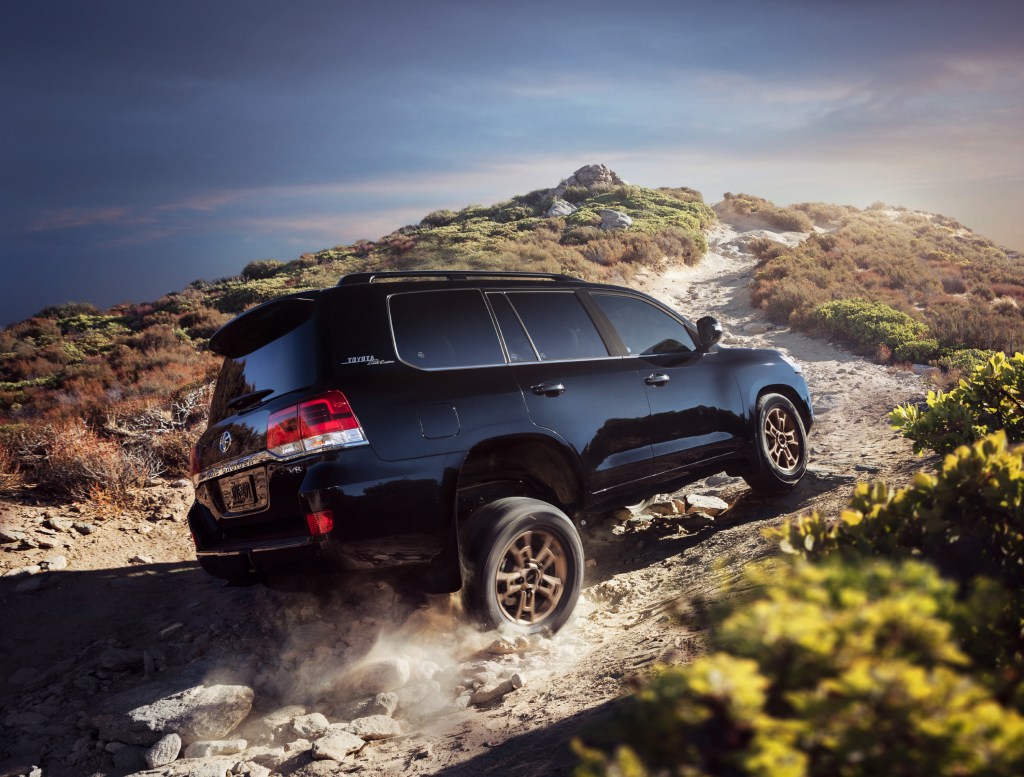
991, 398
828, 669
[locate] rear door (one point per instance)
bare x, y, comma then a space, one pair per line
573, 386
696, 407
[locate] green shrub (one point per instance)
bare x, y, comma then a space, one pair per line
917, 351
991, 398
262, 268
827, 669
438, 218
866, 325
962, 359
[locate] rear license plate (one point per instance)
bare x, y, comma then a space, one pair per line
247, 491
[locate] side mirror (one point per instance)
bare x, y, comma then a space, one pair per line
709, 331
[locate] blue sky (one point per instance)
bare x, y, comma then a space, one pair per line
144, 145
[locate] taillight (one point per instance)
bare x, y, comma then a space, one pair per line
326, 421
320, 522
193, 462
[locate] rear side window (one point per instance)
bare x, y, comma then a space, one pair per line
284, 364
644, 329
558, 325
435, 329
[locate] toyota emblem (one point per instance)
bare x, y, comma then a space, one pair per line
224, 443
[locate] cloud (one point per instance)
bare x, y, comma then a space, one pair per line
73, 218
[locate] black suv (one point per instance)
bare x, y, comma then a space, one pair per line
469, 422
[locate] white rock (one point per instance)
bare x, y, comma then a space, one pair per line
614, 219
377, 677
214, 747
381, 704
501, 647
561, 208
335, 745
488, 694
143, 714
710, 505
310, 726
250, 769
164, 751
374, 727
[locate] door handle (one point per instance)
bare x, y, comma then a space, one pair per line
658, 379
548, 390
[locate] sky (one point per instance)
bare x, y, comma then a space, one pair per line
144, 145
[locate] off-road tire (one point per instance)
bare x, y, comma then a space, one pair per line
781, 446
524, 566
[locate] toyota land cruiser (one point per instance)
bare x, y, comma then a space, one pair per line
470, 422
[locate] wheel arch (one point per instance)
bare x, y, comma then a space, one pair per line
799, 402
531, 465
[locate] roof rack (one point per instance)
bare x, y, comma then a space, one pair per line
451, 275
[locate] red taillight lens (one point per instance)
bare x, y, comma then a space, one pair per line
283, 437
326, 421
193, 462
320, 522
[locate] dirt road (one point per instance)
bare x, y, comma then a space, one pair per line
106, 622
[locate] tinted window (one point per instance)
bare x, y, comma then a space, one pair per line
444, 329
644, 329
516, 341
284, 364
558, 325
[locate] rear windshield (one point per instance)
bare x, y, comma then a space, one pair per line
282, 365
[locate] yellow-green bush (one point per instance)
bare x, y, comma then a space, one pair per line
867, 325
990, 398
828, 669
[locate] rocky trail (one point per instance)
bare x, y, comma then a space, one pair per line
113, 637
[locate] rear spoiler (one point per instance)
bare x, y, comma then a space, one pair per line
259, 325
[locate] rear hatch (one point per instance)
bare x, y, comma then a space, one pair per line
269, 366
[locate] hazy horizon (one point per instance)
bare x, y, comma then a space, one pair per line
147, 146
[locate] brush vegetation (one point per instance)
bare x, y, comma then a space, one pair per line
906, 286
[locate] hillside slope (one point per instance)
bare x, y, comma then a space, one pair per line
75, 643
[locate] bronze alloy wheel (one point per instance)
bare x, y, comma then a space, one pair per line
782, 440
531, 576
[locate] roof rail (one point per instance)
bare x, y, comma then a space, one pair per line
450, 275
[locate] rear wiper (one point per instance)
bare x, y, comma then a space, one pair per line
252, 398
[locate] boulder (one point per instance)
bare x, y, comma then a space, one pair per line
380, 704
592, 176
709, 505
141, 716
486, 695
561, 208
335, 745
164, 751
374, 727
310, 726
215, 747
273, 724
501, 647
377, 677
614, 219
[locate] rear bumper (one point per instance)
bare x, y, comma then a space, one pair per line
385, 514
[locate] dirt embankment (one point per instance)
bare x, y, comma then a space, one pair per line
118, 605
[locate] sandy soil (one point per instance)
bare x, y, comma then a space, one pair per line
131, 584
